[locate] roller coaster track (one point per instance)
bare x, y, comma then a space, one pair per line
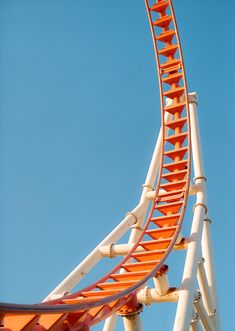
117, 290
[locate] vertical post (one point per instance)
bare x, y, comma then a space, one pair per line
186, 296
194, 325
185, 304
204, 288
207, 254
110, 323
132, 323
199, 176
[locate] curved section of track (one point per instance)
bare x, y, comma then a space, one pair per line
119, 287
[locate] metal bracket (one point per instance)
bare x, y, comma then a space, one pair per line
200, 204
201, 261
132, 307
147, 294
148, 186
199, 177
132, 214
197, 297
195, 319
111, 251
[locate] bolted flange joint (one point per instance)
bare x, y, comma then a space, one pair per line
147, 295
132, 307
199, 177
212, 313
195, 319
197, 297
201, 260
148, 186
202, 205
111, 251
162, 271
207, 220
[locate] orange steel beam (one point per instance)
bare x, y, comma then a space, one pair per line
117, 291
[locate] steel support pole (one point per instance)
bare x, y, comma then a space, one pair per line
110, 323
194, 326
186, 295
132, 323
185, 304
209, 270
206, 321
204, 288
199, 176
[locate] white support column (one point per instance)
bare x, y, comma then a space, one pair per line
110, 323
209, 269
194, 326
182, 319
204, 288
185, 304
161, 282
199, 176
132, 323
208, 323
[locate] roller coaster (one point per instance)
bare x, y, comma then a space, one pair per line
155, 225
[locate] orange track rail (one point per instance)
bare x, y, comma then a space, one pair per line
117, 291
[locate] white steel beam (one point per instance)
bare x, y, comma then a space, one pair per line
148, 295
110, 323
209, 269
161, 281
200, 177
87, 264
204, 288
132, 323
194, 326
182, 320
206, 320
113, 250
185, 304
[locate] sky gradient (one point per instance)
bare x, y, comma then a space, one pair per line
79, 115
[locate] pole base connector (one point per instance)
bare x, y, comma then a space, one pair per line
132, 307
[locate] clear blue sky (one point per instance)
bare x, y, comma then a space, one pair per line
79, 114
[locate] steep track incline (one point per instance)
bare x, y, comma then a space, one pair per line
116, 290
